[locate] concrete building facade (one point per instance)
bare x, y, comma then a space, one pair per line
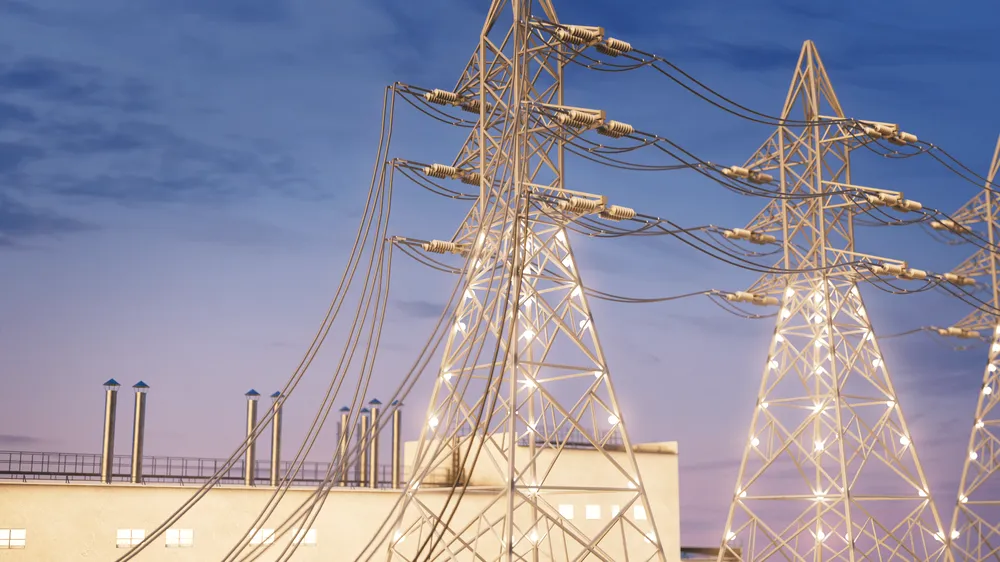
67, 521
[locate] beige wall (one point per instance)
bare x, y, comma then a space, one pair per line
66, 522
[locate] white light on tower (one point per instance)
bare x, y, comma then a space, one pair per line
904, 440
433, 422
613, 419
755, 441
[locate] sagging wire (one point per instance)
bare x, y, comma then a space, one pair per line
642, 59
298, 374
406, 169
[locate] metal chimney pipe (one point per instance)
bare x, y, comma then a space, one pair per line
373, 445
251, 455
138, 430
345, 463
397, 442
276, 441
108, 450
363, 448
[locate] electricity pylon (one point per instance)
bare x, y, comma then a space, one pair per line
829, 471
975, 524
523, 377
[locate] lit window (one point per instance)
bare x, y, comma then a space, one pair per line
640, 513
262, 536
12, 538
566, 510
593, 512
615, 510
127, 538
180, 538
306, 537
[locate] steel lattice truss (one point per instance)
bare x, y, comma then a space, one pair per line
829, 471
975, 525
523, 374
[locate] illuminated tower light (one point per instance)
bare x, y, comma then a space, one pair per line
755, 441
773, 364
904, 441
613, 419
819, 446
789, 292
433, 422
890, 403
785, 313
973, 455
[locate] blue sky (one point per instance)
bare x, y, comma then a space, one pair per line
180, 181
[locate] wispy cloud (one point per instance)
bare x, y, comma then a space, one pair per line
11, 440
68, 82
233, 11
20, 222
420, 308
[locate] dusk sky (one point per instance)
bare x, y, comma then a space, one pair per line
181, 180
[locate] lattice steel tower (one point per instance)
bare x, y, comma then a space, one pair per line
975, 525
829, 471
523, 378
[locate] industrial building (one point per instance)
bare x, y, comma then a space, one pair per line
66, 507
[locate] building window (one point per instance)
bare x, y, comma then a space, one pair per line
593, 512
262, 536
127, 538
566, 510
305, 537
12, 538
180, 538
640, 513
